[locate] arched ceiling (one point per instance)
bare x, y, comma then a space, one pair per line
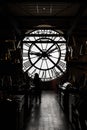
18, 16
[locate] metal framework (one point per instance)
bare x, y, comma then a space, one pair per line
44, 52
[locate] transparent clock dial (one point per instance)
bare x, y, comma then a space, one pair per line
44, 53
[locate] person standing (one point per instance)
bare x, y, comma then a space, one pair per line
37, 89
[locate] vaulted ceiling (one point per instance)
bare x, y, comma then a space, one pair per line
16, 17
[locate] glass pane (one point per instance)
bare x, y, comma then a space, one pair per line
42, 55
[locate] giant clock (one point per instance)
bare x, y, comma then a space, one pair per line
44, 53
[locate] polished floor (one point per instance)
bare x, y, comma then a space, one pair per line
48, 115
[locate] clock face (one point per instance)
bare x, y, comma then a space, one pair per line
44, 53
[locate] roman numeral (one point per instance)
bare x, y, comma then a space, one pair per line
27, 44
62, 64
56, 72
25, 54
27, 64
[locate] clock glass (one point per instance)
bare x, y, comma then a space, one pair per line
44, 52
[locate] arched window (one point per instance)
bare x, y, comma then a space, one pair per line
44, 53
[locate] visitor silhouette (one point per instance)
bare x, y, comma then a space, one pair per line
37, 88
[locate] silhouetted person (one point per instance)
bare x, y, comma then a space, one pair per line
82, 103
82, 108
38, 91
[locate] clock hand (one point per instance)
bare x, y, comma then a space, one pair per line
35, 53
55, 64
50, 51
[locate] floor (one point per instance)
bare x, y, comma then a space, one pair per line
48, 115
